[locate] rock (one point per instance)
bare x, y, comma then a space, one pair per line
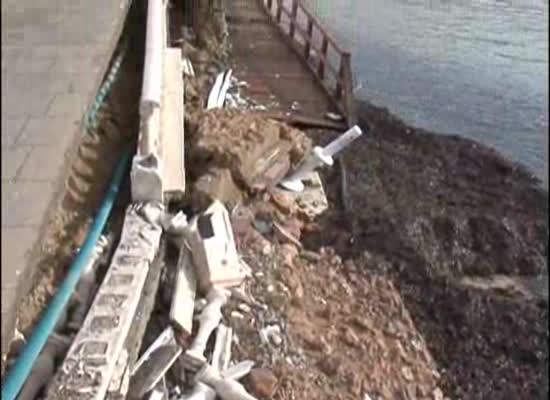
285, 236
245, 308
262, 382
310, 255
362, 323
350, 338
330, 365
283, 201
438, 394
312, 340
289, 253
407, 374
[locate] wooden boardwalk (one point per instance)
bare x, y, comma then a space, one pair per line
273, 70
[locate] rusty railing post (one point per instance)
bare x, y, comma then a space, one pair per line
349, 101
279, 11
308, 38
340, 79
323, 58
293, 18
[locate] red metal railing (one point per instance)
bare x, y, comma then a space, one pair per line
314, 45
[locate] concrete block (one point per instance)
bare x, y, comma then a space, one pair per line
120, 382
91, 361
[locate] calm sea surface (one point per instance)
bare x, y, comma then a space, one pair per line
475, 68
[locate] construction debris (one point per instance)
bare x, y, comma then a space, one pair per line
210, 238
183, 299
92, 357
257, 152
209, 319
153, 364
320, 156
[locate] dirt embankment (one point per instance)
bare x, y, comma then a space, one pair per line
437, 214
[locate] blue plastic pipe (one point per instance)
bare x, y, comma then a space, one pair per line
18, 374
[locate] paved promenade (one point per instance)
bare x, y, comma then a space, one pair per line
54, 55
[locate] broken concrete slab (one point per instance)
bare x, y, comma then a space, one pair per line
183, 299
153, 364
91, 360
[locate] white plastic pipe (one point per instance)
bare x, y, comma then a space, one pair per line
227, 389
209, 319
319, 157
154, 45
224, 88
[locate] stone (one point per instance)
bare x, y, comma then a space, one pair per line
330, 365
283, 201
351, 338
262, 382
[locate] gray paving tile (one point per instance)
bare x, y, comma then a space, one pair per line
49, 131
11, 130
44, 163
12, 161
67, 105
25, 203
20, 103
16, 245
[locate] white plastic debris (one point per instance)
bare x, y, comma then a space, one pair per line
227, 389
209, 319
210, 237
319, 157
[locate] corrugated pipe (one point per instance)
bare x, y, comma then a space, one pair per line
106, 87
23, 364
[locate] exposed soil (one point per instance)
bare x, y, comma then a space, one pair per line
430, 209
